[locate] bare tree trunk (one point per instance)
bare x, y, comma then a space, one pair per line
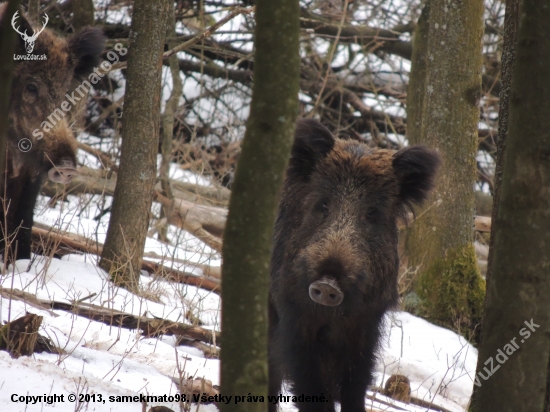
33, 10
168, 120
417, 80
7, 48
517, 305
123, 250
440, 242
83, 13
247, 241
511, 23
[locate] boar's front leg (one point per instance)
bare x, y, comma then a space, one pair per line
354, 384
307, 380
23, 219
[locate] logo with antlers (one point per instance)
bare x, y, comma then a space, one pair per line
29, 40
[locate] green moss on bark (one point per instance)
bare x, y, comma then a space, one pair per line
442, 112
452, 292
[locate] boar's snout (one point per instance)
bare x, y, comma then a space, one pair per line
326, 292
62, 173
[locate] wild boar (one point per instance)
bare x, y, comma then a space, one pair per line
40, 142
335, 262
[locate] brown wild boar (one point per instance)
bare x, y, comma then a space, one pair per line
40, 142
335, 261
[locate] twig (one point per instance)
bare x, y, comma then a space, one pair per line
235, 12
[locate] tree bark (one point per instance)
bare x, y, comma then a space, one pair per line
19, 336
168, 121
33, 9
83, 13
7, 64
511, 23
520, 282
248, 235
417, 79
123, 251
443, 112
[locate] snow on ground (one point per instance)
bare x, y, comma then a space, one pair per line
111, 361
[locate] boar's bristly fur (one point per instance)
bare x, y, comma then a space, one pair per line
335, 262
40, 142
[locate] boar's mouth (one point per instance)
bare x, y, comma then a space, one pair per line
326, 292
62, 173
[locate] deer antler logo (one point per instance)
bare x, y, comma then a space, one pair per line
29, 40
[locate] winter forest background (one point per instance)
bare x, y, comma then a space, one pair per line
156, 328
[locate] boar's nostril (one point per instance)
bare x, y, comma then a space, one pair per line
326, 292
61, 174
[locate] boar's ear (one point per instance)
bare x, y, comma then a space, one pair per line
312, 142
86, 47
415, 167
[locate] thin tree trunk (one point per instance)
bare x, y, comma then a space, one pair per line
123, 250
417, 80
517, 304
33, 10
511, 22
168, 121
440, 242
248, 235
83, 13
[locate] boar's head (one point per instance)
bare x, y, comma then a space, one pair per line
335, 248
39, 139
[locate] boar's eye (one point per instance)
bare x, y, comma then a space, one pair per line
32, 89
322, 206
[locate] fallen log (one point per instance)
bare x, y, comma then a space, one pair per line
202, 282
207, 270
210, 351
197, 386
103, 182
204, 222
482, 223
26, 297
149, 326
55, 242
113, 317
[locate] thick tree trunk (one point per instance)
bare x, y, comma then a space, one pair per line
248, 235
517, 295
443, 112
511, 23
123, 250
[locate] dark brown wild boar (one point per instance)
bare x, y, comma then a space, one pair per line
40, 142
335, 262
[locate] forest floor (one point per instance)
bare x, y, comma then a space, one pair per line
110, 361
